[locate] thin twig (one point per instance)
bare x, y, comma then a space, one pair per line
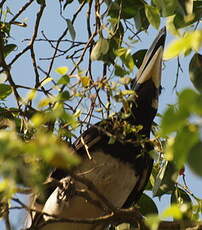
21, 10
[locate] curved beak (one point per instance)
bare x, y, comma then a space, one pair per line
152, 63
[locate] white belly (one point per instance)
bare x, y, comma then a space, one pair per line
114, 179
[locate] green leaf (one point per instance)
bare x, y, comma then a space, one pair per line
119, 71
126, 57
70, 119
71, 29
190, 101
195, 158
195, 71
8, 49
190, 136
186, 98
165, 179
5, 91
168, 7
179, 196
63, 80
153, 15
128, 9
114, 43
172, 120
147, 205
64, 96
141, 22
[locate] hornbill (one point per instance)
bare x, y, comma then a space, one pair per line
120, 169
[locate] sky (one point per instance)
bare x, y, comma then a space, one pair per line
52, 26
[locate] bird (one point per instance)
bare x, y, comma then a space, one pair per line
114, 152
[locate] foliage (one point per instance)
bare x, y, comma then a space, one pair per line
38, 121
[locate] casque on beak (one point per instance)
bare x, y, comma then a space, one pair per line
152, 63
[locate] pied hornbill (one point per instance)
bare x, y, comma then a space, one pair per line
120, 170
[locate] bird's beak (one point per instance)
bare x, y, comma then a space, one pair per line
152, 63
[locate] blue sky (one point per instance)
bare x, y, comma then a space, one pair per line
52, 26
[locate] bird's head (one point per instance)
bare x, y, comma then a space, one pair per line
147, 84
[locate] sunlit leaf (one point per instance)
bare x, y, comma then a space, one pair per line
125, 80
52, 150
121, 51
169, 152
46, 81
3, 77
127, 92
38, 119
173, 211
191, 40
126, 57
31, 95
85, 81
7, 189
45, 102
100, 49
61, 70
152, 221
170, 26
41, 118
128, 61
187, 6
